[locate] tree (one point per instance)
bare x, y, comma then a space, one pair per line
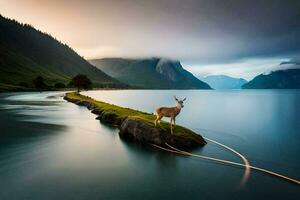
59, 85
39, 83
80, 81
23, 84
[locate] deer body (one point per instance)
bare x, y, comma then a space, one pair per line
171, 112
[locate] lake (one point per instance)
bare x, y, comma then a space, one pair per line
52, 149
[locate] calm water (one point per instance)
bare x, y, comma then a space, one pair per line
51, 149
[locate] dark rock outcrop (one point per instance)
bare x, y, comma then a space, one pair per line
137, 130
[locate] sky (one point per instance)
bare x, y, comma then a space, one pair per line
238, 38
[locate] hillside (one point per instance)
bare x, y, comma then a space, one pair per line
282, 79
154, 73
26, 53
220, 82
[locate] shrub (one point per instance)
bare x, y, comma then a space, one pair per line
59, 85
80, 81
39, 83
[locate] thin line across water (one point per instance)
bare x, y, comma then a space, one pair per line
181, 152
246, 162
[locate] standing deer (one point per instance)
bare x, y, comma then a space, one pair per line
171, 112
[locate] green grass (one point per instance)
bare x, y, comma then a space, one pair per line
119, 113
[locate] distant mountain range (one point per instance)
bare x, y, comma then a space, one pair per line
224, 82
26, 53
295, 62
154, 73
287, 76
281, 79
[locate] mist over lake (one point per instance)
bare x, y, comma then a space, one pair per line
51, 149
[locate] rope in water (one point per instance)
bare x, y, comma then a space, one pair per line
177, 151
246, 162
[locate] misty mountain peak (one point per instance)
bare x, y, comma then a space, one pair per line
152, 72
169, 68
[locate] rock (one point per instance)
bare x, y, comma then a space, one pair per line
134, 129
139, 131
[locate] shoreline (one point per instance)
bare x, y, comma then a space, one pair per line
113, 89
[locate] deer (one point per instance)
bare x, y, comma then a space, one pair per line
171, 112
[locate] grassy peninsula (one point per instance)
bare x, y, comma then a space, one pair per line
116, 115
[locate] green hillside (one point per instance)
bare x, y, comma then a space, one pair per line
26, 53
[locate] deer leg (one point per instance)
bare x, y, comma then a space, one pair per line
157, 119
171, 125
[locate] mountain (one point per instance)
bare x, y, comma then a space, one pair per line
154, 73
293, 61
281, 79
26, 53
224, 82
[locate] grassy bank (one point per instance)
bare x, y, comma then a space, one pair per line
13, 88
117, 114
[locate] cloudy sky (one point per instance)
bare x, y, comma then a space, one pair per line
238, 38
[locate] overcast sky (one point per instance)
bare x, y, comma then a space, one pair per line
238, 38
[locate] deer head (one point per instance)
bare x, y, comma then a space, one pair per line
179, 102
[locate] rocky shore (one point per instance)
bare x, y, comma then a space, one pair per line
136, 125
